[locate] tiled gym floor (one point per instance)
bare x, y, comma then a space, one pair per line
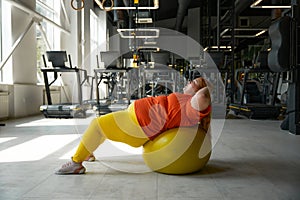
252, 160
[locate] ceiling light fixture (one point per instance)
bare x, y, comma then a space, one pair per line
257, 32
148, 48
260, 33
154, 7
257, 2
150, 43
144, 20
139, 33
218, 47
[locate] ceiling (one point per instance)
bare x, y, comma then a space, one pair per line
170, 9
177, 9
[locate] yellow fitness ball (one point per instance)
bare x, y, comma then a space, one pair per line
178, 151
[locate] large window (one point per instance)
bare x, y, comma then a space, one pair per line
5, 41
94, 38
48, 37
98, 37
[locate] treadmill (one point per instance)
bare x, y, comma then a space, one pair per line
62, 110
112, 73
252, 103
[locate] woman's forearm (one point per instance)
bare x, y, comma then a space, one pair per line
201, 100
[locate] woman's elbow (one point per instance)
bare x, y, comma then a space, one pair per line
201, 100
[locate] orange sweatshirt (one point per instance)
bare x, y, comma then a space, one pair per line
158, 114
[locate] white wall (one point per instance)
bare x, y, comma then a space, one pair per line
25, 96
27, 100
72, 42
24, 57
7, 42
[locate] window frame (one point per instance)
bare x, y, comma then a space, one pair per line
53, 35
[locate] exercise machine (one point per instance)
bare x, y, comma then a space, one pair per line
284, 57
256, 93
117, 80
62, 110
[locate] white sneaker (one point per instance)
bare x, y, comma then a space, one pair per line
71, 167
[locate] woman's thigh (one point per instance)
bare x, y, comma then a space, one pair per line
122, 126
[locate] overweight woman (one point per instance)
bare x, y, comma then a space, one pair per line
144, 120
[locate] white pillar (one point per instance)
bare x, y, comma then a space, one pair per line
24, 62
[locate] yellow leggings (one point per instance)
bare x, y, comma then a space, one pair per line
120, 126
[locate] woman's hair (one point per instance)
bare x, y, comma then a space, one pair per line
201, 83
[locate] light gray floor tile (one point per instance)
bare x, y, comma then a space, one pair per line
251, 160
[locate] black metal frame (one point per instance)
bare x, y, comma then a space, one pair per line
293, 104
